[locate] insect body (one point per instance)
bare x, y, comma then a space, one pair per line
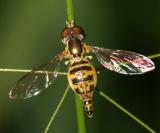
82, 76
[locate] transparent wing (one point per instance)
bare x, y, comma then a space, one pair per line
124, 62
37, 80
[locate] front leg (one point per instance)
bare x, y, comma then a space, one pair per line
69, 62
86, 58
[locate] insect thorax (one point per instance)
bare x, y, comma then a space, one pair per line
75, 47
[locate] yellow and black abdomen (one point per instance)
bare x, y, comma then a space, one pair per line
82, 78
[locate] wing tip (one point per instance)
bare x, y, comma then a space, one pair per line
11, 96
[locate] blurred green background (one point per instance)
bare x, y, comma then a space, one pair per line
30, 36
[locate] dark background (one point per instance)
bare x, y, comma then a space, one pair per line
30, 36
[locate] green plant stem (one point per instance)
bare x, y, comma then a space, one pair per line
126, 112
70, 10
154, 56
56, 110
82, 128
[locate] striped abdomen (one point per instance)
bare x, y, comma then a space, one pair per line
82, 78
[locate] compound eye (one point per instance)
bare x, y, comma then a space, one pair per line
66, 33
78, 30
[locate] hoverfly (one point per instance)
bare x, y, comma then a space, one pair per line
82, 75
